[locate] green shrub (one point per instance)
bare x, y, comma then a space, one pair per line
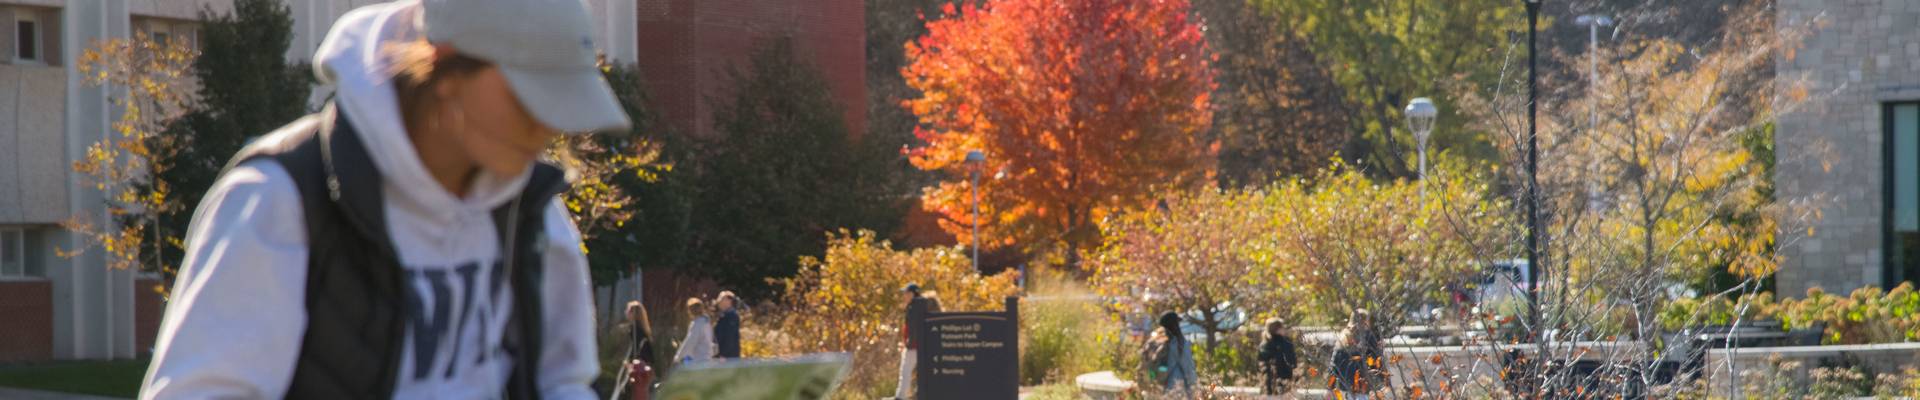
1682, 313
1868, 315
1066, 333
1231, 362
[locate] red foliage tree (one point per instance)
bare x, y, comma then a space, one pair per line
1082, 107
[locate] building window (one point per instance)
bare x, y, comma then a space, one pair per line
1902, 193
191, 36
13, 252
26, 38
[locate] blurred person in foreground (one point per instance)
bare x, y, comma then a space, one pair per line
404, 242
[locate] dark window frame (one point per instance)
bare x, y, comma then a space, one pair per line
1890, 274
27, 39
13, 247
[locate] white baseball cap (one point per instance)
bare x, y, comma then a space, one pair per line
544, 49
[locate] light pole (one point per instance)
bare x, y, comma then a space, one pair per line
1593, 24
976, 160
1421, 115
1535, 268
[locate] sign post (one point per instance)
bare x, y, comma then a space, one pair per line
968, 355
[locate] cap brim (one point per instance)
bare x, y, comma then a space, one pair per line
571, 101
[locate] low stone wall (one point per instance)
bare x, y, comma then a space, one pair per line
1731, 364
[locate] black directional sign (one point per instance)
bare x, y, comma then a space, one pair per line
968, 355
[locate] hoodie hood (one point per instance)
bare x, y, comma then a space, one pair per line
354, 60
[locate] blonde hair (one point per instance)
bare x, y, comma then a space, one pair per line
1359, 326
638, 314
695, 307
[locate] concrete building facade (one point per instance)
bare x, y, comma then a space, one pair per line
59, 307
1855, 145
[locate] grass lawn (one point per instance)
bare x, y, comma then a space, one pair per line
119, 378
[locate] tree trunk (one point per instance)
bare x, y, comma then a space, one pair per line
1212, 326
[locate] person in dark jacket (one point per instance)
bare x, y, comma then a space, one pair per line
909, 349
726, 330
1356, 362
639, 332
403, 242
1277, 358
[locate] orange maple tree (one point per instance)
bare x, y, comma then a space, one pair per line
1082, 108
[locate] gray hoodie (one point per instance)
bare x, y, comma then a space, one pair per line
234, 326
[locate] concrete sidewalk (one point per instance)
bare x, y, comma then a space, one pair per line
28, 394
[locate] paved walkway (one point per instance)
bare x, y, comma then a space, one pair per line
27, 394
1104, 385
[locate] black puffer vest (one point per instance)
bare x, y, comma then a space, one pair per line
355, 304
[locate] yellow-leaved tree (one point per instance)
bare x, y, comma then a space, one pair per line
849, 301
148, 80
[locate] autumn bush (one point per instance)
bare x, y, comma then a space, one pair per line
1353, 242
1196, 251
1306, 249
1064, 331
849, 301
1782, 379
1867, 315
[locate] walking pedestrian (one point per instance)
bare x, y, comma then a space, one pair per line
910, 297
1357, 360
1277, 358
726, 329
698, 346
1168, 359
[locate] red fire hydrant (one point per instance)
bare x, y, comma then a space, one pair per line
639, 379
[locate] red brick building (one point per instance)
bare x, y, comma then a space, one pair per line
686, 47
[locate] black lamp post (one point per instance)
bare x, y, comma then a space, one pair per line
976, 159
1534, 265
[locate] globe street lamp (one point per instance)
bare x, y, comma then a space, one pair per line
976, 160
1420, 117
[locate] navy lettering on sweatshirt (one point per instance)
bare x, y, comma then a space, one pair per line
452, 321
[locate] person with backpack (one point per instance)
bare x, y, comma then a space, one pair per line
1168, 359
1357, 360
404, 242
1277, 358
